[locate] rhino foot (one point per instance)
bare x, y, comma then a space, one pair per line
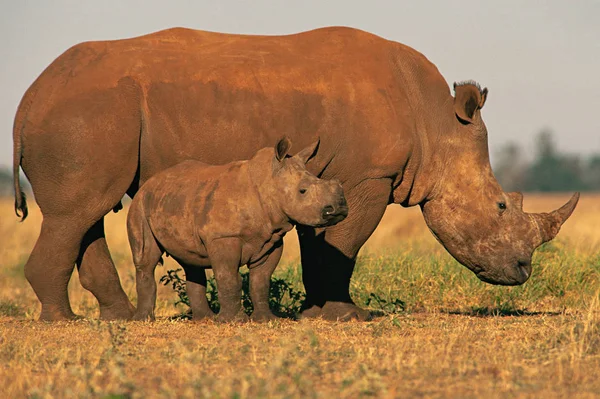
118, 312
342, 311
263, 317
57, 314
205, 315
311, 313
143, 316
239, 317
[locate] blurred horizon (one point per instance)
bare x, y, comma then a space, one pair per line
540, 59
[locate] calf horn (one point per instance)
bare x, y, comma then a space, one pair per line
549, 224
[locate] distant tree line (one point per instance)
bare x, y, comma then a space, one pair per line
549, 170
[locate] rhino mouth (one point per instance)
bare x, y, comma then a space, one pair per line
516, 273
332, 216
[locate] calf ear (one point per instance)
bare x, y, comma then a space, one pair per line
468, 99
282, 148
306, 154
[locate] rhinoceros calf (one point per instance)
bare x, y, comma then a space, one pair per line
225, 217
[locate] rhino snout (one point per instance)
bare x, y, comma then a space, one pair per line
335, 212
524, 268
515, 273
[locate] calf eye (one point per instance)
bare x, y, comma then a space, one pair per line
501, 206
302, 191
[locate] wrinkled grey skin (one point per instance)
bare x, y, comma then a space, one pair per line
225, 217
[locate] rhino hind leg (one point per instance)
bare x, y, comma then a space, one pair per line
146, 284
147, 254
73, 233
97, 274
195, 284
50, 266
79, 172
329, 256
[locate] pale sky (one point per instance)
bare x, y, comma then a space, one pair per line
539, 59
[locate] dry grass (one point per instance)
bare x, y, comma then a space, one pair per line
457, 337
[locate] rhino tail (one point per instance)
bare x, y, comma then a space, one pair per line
20, 197
19, 124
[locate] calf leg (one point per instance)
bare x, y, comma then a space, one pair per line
224, 255
195, 284
97, 274
146, 255
329, 256
260, 283
145, 284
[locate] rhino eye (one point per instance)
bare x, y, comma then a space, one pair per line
502, 205
302, 191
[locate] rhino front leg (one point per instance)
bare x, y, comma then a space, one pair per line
328, 256
195, 284
260, 283
224, 256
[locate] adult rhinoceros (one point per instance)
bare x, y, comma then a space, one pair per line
105, 116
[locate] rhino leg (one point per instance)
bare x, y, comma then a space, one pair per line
80, 157
260, 283
50, 266
97, 274
224, 256
328, 256
145, 283
195, 284
146, 255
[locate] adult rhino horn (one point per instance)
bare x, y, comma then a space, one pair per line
549, 224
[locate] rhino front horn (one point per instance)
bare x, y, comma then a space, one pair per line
549, 223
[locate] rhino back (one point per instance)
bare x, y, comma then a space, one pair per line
192, 203
204, 92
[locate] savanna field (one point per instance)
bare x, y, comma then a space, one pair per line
437, 332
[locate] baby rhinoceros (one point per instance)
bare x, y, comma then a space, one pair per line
225, 217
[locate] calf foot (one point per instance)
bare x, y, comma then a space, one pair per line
117, 312
263, 316
143, 316
239, 317
204, 315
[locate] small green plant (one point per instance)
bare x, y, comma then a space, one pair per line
177, 284
284, 299
392, 306
8, 308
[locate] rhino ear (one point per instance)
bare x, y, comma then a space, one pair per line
282, 148
306, 154
468, 99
